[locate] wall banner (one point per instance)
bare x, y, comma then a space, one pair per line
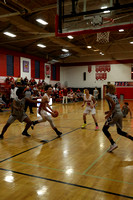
25, 67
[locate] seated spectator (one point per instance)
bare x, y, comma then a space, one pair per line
7, 80
32, 81
75, 97
22, 82
26, 81
12, 81
18, 81
2, 103
78, 90
70, 96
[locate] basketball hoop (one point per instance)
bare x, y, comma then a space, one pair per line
103, 37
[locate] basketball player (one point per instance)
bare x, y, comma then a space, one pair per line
45, 108
113, 116
126, 110
17, 112
90, 108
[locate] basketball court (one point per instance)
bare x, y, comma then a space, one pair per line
75, 166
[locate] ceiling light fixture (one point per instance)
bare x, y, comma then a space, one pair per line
65, 50
121, 30
106, 11
103, 7
70, 37
131, 42
9, 34
89, 47
41, 21
41, 45
101, 53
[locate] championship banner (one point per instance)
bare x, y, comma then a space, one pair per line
47, 70
101, 76
102, 68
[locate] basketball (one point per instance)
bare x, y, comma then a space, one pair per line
56, 113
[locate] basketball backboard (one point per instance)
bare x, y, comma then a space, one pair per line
75, 17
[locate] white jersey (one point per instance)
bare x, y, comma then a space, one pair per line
41, 106
46, 95
88, 100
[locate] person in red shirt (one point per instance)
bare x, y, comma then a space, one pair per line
65, 91
12, 79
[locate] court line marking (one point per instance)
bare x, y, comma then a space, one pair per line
84, 172
77, 173
67, 183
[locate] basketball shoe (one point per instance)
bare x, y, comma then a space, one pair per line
112, 147
83, 126
97, 128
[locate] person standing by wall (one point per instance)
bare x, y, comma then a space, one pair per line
28, 94
13, 92
95, 93
65, 91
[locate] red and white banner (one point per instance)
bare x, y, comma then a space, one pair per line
47, 70
89, 68
102, 68
101, 76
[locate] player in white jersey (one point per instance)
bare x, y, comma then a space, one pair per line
114, 117
45, 108
90, 108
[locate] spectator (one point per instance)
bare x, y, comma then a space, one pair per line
2, 103
65, 91
28, 95
95, 93
13, 92
12, 81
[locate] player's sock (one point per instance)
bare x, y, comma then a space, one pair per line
112, 141
96, 123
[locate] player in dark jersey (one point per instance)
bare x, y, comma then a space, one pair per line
126, 110
18, 113
114, 117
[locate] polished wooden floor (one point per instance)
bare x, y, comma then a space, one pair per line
73, 167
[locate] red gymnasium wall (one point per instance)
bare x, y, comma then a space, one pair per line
17, 55
126, 91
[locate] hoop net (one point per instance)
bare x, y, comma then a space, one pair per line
103, 37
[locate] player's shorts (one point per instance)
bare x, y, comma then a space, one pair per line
19, 118
115, 118
45, 115
89, 110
